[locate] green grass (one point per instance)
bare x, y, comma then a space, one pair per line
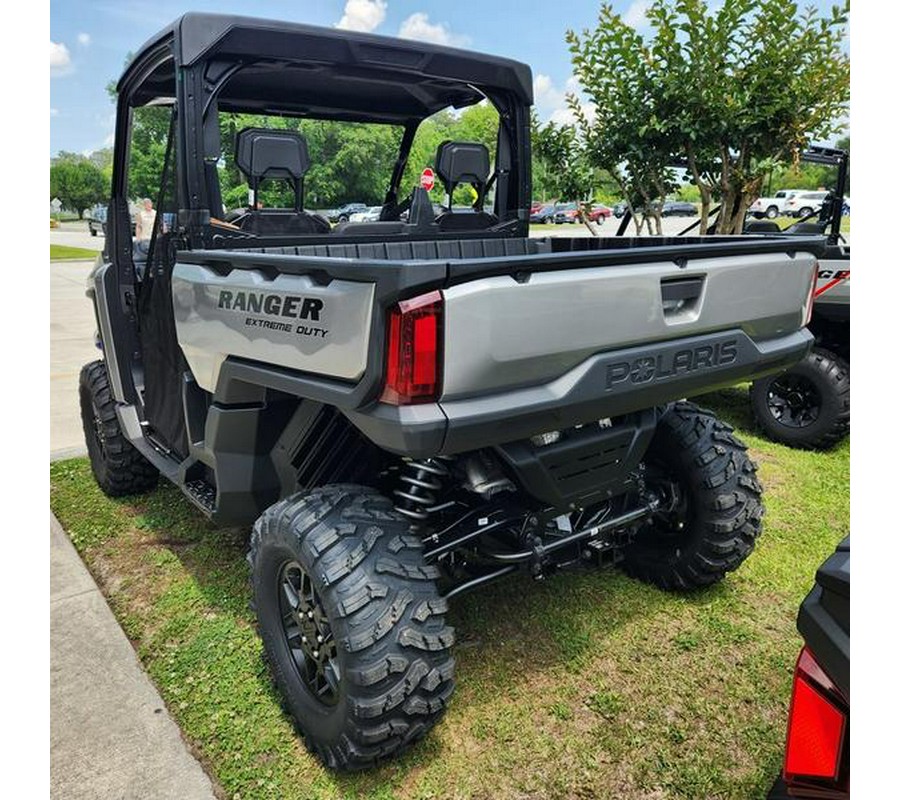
586, 685
62, 252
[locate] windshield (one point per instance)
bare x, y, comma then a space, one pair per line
350, 162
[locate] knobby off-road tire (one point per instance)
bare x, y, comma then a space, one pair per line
819, 388
714, 524
377, 608
118, 467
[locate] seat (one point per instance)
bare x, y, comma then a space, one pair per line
275, 154
464, 162
762, 226
807, 229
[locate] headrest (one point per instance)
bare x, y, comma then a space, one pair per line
463, 162
263, 153
806, 228
762, 226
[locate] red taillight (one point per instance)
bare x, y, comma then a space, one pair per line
816, 725
413, 372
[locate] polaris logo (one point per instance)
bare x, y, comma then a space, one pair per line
272, 304
646, 369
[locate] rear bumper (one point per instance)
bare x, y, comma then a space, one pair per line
605, 385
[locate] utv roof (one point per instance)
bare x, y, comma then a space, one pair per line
302, 69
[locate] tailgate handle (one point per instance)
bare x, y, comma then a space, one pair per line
680, 294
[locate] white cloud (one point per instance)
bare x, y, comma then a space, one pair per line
363, 15
546, 95
60, 60
417, 26
54, 112
565, 116
552, 103
84, 39
636, 14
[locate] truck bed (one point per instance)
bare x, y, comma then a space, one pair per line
538, 334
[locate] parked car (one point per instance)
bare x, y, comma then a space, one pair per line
678, 208
599, 213
370, 214
805, 204
621, 207
343, 213
436, 208
97, 220
817, 747
544, 214
774, 206
565, 213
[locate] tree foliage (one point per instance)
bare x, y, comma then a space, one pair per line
77, 182
731, 93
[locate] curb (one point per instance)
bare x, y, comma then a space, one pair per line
111, 735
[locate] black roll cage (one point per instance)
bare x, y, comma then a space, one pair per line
207, 51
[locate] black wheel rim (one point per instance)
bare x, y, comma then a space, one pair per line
794, 401
308, 634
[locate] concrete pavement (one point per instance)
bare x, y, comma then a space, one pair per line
111, 736
76, 234
72, 328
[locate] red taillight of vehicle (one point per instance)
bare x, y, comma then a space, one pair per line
413, 373
816, 725
811, 299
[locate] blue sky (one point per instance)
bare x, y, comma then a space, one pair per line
90, 38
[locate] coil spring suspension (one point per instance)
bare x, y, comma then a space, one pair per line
421, 483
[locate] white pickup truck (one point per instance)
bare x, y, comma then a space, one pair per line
775, 206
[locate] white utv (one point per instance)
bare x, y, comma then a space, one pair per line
409, 408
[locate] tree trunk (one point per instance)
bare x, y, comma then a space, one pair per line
583, 216
704, 188
638, 221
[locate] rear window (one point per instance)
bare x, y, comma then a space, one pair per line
349, 162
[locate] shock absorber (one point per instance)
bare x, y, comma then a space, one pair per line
421, 482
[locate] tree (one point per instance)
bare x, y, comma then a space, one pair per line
564, 170
77, 183
730, 94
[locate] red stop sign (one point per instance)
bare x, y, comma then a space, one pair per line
426, 181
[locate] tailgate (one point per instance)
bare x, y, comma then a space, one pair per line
503, 333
